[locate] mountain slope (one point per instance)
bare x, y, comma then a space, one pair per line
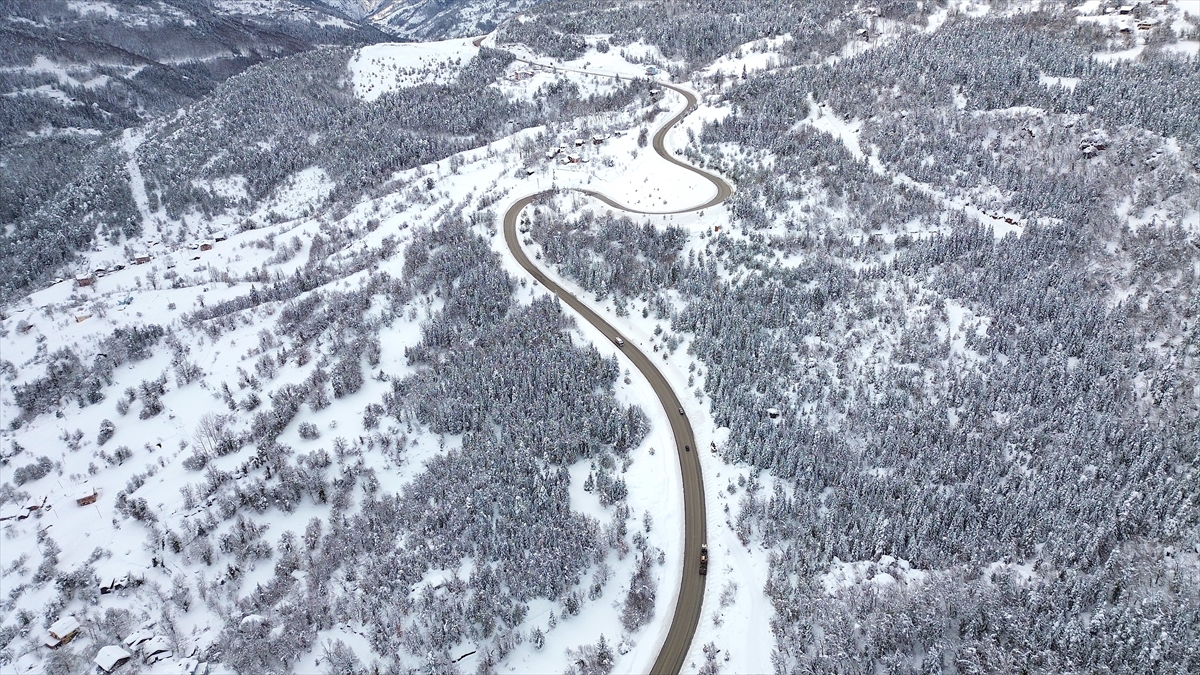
73, 75
429, 19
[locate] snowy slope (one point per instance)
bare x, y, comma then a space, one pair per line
433, 19
182, 278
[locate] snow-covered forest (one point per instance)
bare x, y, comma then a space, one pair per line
952, 324
276, 397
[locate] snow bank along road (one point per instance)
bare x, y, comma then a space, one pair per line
691, 591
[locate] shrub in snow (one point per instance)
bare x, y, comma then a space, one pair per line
309, 431
251, 402
265, 367
347, 376
107, 429
710, 666
32, 472
186, 372
318, 395
244, 541
196, 461
639, 603
371, 415
136, 508
594, 659
572, 603
49, 565
340, 659
150, 391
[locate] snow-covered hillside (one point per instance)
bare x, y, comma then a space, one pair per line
428, 19
950, 308
293, 407
238, 405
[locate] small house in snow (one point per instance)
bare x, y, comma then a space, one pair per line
116, 584
111, 657
579, 142
206, 246
141, 258
62, 631
156, 649
1125, 9
86, 495
138, 637
82, 316
863, 34
83, 279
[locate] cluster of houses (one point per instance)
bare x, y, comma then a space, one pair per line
569, 158
85, 495
141, 258
151, 647
519, 75
1145, 23
24, 511
1092, 144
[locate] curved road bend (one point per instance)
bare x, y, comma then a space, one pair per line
724, 190
691, 589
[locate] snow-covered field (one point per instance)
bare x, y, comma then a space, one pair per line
381, 68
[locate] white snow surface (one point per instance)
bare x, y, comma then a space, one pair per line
381, 68
887, 571
749, 58
1064, 82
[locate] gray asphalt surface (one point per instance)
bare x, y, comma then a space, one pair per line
691, 592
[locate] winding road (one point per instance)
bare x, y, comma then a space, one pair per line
691, 592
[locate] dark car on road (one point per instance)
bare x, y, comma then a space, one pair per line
704, 559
